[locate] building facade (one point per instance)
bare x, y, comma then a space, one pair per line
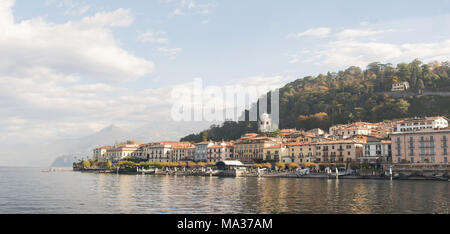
250, 148
426, 146
201, 151
220, 152
420, 124
274, 153
342, 151
99, 154
377, 152
159, 151
302, 152
400, 86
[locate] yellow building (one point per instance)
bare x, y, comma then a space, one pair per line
342, 151
302, 152
274, 153
250, 147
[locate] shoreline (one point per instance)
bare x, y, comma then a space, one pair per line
270, 175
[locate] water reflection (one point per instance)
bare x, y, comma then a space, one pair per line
76, 192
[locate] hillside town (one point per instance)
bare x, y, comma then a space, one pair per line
408, 141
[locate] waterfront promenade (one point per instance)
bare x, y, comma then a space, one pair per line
405, 173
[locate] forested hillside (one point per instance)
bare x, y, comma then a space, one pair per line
352, 95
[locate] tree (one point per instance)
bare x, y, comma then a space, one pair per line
293, 165
308, 165
420, 86
86, 164
280, 165
108, 164
201, 164
204, 136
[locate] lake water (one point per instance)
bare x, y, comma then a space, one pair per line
28, 190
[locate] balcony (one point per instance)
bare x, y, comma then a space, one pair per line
426, 140
426, 146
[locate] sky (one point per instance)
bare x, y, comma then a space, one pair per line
70, 68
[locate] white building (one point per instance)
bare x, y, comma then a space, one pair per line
119, 152
421, 124
201, 151
400, 86
354, 131
377, 152
100, 153
317, 132
159, 151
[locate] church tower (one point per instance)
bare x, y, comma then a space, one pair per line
265, 123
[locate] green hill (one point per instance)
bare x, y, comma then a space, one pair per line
353, 95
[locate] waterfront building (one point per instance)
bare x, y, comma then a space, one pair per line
183, 152
422, 123
250, 147
341, 151
421, 146
139, 153
274, 153
201, 151
400, 86
220, 152
302, 152
159, 151
99, 153
376, 152
121, 151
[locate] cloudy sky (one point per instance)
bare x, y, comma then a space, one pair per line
69, 68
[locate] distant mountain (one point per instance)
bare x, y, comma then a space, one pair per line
64, 161
84, 145
67, 149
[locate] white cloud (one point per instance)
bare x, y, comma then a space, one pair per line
392, 41
314, 32
169, 52
56, 78
271, 82
117, 18
343, 53
204, 22
354, 33
185, 7
153, 37
86, 47
72, 8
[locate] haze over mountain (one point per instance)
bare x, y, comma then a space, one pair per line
62, 152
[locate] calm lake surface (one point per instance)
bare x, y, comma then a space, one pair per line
28, 190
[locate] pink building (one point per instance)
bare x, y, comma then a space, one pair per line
422, 146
